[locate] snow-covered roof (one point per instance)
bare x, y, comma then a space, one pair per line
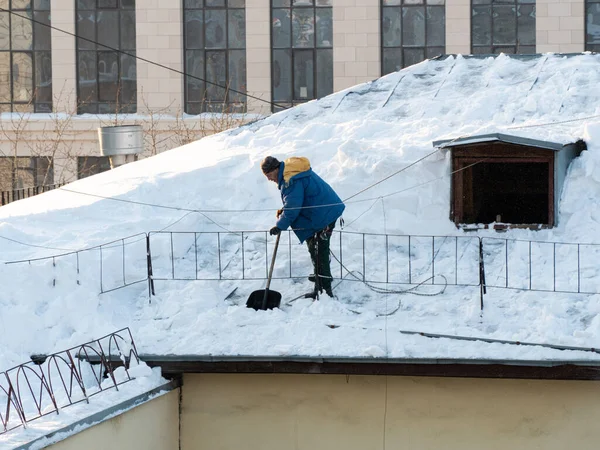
373, 144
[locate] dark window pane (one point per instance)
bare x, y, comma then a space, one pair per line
527, 49
108, 76
127, 30
281, 28
195, 68
86, 28
282, 75
108, 3
41, 5
215, 3
592, 25
108, 24
304, 72
43, 77
505, 25
481, 24
216, 74
236, 3
526, 25
431, 52
392, 27
324, 72
42, 32
194, 29
215, 28
303, 28
128, 87
413, 26
436, 26
237, 75
324, 27
86, 68
190, 4
237, 28
86, 4
392, 60
413, 56
281, 3
107, 80
482, 50
302, 2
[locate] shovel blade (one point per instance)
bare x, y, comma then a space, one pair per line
255, 301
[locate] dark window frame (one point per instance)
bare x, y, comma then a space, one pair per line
588, 46
279, 105
501, 48
116, 106
403, 5
30, 106
231, 104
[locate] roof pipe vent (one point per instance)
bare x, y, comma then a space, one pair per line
121, 143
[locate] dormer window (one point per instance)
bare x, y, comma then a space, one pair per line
507, 181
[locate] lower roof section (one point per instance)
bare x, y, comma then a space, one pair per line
543, 370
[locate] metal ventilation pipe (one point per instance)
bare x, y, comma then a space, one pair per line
121, 143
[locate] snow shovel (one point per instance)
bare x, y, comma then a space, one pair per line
265, 298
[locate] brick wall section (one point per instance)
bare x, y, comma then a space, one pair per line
159, 31
458, 26
560, 26
356, 42
258, 55
64, 88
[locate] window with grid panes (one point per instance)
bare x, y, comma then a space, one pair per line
106, 65
25, 56
302, 51
502, 26
411, 31
25, 172
215, 51
592, 25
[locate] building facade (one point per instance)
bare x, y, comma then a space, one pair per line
164, 65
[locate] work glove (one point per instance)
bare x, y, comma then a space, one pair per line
274, 231
278, 213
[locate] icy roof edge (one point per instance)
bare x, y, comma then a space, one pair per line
498, 137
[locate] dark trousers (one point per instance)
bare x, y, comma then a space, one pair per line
318, 247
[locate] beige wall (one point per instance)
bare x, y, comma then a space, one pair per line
258, 55
560, 26
356, 42
458, 26
153, 425
303, 412
159, 31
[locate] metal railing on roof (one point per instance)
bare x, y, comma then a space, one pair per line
48, 383
483, 262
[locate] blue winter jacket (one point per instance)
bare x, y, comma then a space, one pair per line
309, 203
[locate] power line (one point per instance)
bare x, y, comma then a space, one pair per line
227, 88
